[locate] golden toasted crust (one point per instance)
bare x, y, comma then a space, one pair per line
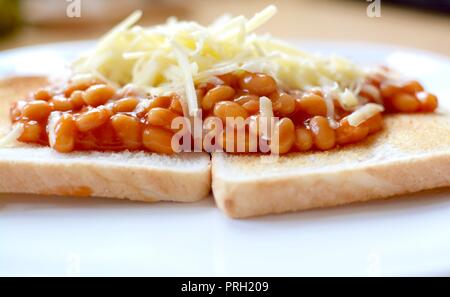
411, 154
136, 176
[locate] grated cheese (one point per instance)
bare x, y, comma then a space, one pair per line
260, 18
364, 113
191, 95
348, 100
374, 92
175, 56
51, 127
12, 136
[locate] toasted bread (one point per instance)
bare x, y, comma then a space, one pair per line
411, 154
129, 175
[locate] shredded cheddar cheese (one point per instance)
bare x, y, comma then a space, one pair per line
11, 137
364, 113
173, 57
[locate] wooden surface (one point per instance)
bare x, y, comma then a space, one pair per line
301, 19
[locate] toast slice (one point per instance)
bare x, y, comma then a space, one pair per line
411, 154
128, 175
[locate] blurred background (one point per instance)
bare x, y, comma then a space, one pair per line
423, 24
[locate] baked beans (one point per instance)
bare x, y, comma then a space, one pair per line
428, 102
374, 123
412, 87
125, 105
64, 134
162, 101
312, 104
98, 95
389, 89
59, 103
157, 140
258, 83
229, 109
245, 98
303, 139
324, 137
161, 117
219, 93
79, 85
128, 129
283, 104
95, 116
230, 79
249, 102
42, 94
346, 133
76, 99
92, 119
36, 110
252, 106
31, 132
405, 102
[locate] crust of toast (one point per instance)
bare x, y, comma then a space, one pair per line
128, 175
411, 154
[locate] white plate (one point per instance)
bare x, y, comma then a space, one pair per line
73, 236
